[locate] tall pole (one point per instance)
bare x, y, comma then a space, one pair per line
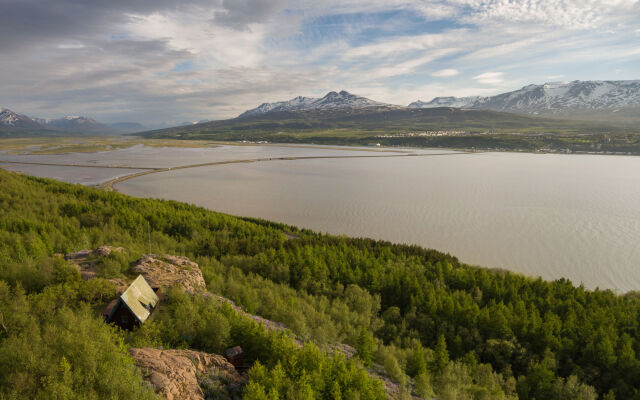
149, 230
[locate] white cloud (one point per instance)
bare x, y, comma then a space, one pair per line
445, 73
489, 78
229, 60
402, 68
568, 14
64, 46
503, 49
402, 45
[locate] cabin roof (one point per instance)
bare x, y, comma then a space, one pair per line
140, 298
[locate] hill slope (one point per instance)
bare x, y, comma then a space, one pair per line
363, 122
428, 127
449, 328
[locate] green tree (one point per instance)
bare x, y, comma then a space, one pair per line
441, 355
365, 347
423, 386
417, 362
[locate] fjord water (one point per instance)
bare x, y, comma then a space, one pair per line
572, 216
554, 216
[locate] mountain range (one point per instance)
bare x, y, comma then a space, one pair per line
12, 121
559, 98
555, 98
331, 101
615, 101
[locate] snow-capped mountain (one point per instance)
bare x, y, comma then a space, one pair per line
552, 98
457, 102
13, 120
75, 124
331, 101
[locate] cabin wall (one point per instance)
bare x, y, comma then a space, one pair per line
123, 318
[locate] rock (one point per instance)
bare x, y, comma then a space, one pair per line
105, 251
86, 261
166, 271
102, 251
119, 285
180, 374
78, 255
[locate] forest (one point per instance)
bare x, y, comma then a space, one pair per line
438, 328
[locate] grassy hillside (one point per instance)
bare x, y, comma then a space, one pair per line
363, 123
16, 133
436, 326
27, 133
480, 129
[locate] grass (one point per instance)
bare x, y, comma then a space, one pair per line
473, 129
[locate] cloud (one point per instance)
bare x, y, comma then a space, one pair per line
572, 14
445, 73
489, 78
238, 14
151, 61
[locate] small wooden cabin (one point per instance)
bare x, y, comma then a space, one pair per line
134, 306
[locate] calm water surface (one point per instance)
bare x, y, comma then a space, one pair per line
574, 216
553, 216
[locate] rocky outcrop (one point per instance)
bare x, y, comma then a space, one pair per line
167, 270
119, 285
87, 255
161, 271
88, 262
186, 374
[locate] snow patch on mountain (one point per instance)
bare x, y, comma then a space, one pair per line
457, 102
73, 123
10, 119
551, 98
331, 101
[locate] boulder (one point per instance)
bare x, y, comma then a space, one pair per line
167, 270
85, 255
182, 374
119, 285
87, 261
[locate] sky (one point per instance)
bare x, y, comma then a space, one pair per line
166, 62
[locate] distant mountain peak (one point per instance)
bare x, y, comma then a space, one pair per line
72, 124
448, 101
77, 123
13, 120
551, 98
330, 101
